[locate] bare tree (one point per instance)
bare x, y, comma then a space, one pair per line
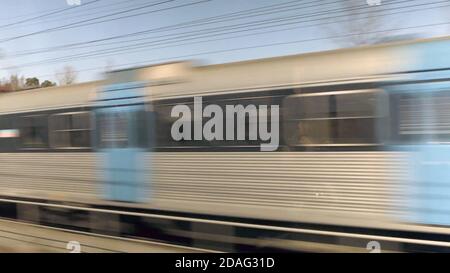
67, 76
16, 82
360, 23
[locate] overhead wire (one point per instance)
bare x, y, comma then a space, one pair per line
163, 42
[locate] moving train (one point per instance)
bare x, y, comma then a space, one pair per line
364, 139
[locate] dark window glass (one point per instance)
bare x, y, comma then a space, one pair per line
347, 118
424, 117
71, 130
123, 129
113, 129
164, 123
33, 131
144, 121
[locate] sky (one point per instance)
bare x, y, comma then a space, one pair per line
35, 35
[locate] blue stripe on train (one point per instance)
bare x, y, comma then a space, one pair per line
124, 175
428, 189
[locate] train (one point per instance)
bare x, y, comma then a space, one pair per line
364, 139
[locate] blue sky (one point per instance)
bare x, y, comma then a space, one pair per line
14, 11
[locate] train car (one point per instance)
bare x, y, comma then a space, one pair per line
364, 139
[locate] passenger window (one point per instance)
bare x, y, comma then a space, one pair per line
123, 129
164, 123
424, 117
141, 122
34, 131
113, 129
9, 134
70, 130
332, 119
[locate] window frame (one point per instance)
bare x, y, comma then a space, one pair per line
427, 134
377, 118
274, 96
52, 130
22, 145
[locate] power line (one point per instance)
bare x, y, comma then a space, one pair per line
256, 46
49, 14
208, 34
78, 15
66, 46
176, 43
172, 28
80, 23
236, 26
30, 14
244, 25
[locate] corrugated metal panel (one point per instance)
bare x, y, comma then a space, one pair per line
335, 183
345, 181
60, 173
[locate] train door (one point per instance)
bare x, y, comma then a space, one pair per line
123, 139
422, 128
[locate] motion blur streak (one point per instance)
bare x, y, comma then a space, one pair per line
364, 143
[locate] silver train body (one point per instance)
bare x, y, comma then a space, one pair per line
370, 184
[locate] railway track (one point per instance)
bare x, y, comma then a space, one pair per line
24, 237
203, 234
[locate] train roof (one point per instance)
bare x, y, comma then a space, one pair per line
350, 64
176, 79
77, 95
